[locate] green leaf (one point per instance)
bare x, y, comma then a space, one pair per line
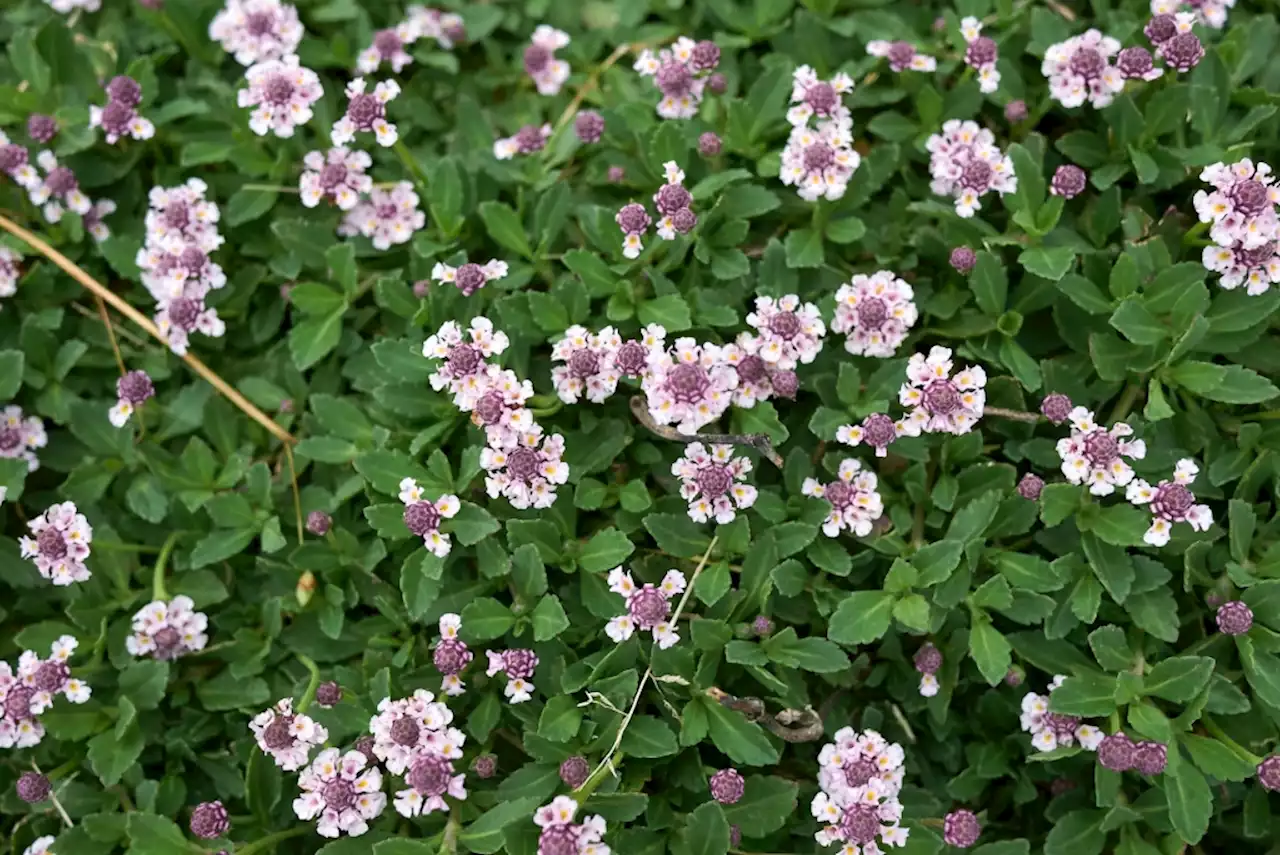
402, 846
1077, 833
549, 619
766, 805
1262, 670
605, 550
1058, 502
560, 720
486, 619
1111, 565
28, 63
677, 534
671, 312
1179, 679
143, 682
1230, 384
220, 545
1243, 523
156, 835
991, 651
861, 617
1189, 797
804, 248
1111, 648
649, 737
11, 363
742, 741
809, 654
706, 832
1050, 263
504, 226
989, 283
1087, 695
1217, 760
314, 338
1136, 323
472, 524
484, 835
111, 754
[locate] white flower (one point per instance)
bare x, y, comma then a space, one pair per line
341, 793
819, 162
588, 364
257, 30
367, 113
710, 482
168, 630
1093, 455
966, 164
59, 544
940, 403
1080, 70
875, 312
1171, 502
281, 92
388, 216
855, 504
689, 385
287, 736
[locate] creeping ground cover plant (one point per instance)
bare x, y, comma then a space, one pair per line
702, 426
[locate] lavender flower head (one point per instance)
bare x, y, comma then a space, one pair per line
902, 56
318, 523
689, 385
167, 631
33, 787
1171, 502
530, 139
585, 364
287, 737
21, 435
574, 771
1093, 454
966, 164
981, 54
9, 271
501, 409
762, 626
387, 216
634, 221
1269, 773
40, 846
673, 202
648, 607
680, 73
1257, 269
1135, 63
877, 430
963, 259
589, 126
423, 516
339, 792
1050, 730
446, 28
1080, 70
1150, 758
485, 765
819, 162
540, 62
407, 728
389, 46
710, 482
1211, 13
1183, 52
257, 30
1241, 208
1117, 752
38, 682
1068, 181
940, 403
788, 333
132, 390
562, 836
470, 277
58, 191
874, 313
860, 778
328, 694
451, 656
1030, 486
1015, 111
961, 829
429, 780
209, 820
526, 476
855, 504
119, 117
1234, 618
14, 163
519, 665
1056, 407
462, 353
367, 113
812, 96
927, 661
41, 128
59, 544
65, 7
281, 92
727, 786
633, 356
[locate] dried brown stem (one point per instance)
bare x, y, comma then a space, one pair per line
1016, 415
788, 725
759, 441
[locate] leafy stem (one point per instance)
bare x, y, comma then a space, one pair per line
314, 683
1236, 748
271, 840
158, 591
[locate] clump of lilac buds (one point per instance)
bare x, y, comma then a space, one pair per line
33, 787
166, 631
928, 660
574, 771
616, 175
318, 523
1117, 753
530, 139
132, 390
727, 786
451, 656
1068, 181
981, 54
762, 626
648, 607
1161, 28
589, 126
1135, 63
1056, 407
540, 62
367, 113
680, 73
1183, 52
119, 117
1150, 758
484, 766
961, 829
41, 128
717, 83
963, 259
1269, 773
709, 144
1015, 111
209, 820
1030, 486
1234, 618
328, 694
877, 430
519, 665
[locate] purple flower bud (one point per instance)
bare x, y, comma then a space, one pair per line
209, 820
633, 219
717, 83
318, 523
671, 198
1160, 29
33, 787
616, 174
589, 126
536, 59
1269, 772
928, 659
1183, 52
124, 90
1015, 111
963, 259
41, 128
1150, 758
328, 694
879, 431
709, 144
961, 829
484, 766
1134, 63
530, 139
421, 287
684, 220
365, 746
674, 79
981, 51
134, 388
286, 406
451, 656
1030, 486
785, 383
520, 663
1117, 753
575, 771
762, 626
469, 278
735, 835
422, 518
1068, 181
1056, 407
1015, 677
1234, 618
706, 56
727, 786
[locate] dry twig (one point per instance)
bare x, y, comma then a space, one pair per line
759, 441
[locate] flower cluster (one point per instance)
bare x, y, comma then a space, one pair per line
927, 661
1241, 213
877, 430
1050, 730
966, 163
855, 504
287, 736
689, 385
445, 27
451, 656
902, 56
530, 139
813, 97
1171, 502
681, 74
860, 778
119, 117
518, 664
939, 402
257, 30
560, 835
1211, 13
337, 175
64, 7
181, 232
528, 474
341, 793
980, 54
757, 380
708, 482
281, 92
1080, 70
1092, 454
58, 191
15, 163
389, 45
387, 216
132, 391
648, 607
8, 271
1119, 753
167, 631
874, 313
463, 356
819, 161
21, 435
32, 690
540, 62
589, 364
423, 517
787, 333
60, 544
674, 205
367, 113
470, 277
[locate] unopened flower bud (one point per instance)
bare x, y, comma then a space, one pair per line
328, 694
574, 771
33, 787
963, 259
305, 589
318, 523
727, 786
709, 144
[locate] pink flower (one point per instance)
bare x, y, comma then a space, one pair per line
902, 56
813, 96
281, 92
819, 162
389, 47
874, 312
32, 691
287, 736
648, 607
118, 119
451, 655
21, 435
470, 277
877, 430
561, 836
367, 113
430, 779
186, 273
60, 544
966, 164
93, 224
341, 792
58, 190
588, 364
939, 402
855, 504
707, 482
858, 759
633, 356
1211, 13
680, 73
690, 385
423, 517
8, 273
168, 630
387, 217
462, 355
1050, 730
14, 163
540, 62
409, 728
337, 175
1242, 205
1171, 502
500, 409
980, 54
177, 318
445, 27
755, 376
788, 333
860, 778
519, 665
1256, 269
528, 140
181, 216
1092, 454
527, 475
257, 30
1080, 70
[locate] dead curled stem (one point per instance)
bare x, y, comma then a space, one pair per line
1016, 415
759, 441
788, 725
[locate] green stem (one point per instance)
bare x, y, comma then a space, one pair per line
555, 407
310, 694
1239, 750
113, 546
449, 841
158, 591
584, 792
1190, 235
1125, 404
271, 840
410, 162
